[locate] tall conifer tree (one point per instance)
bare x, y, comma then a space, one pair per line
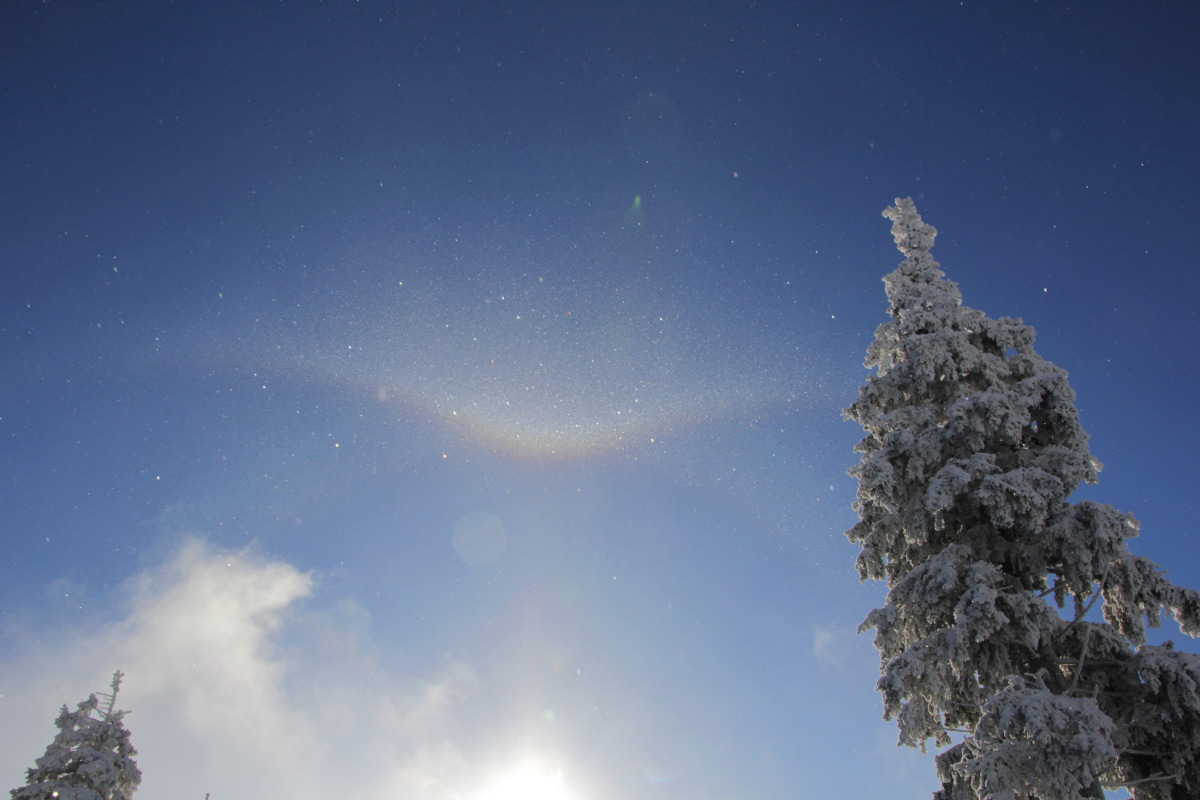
91, 758
973, 446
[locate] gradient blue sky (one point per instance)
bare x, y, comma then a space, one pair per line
411, 396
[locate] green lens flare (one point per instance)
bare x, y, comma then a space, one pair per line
635, 215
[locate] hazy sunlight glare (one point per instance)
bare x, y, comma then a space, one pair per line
528, 781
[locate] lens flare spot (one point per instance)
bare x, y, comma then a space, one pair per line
479, 538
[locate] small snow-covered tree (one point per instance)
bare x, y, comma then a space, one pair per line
973, 446
90, 758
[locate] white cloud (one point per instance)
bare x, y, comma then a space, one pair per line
224, 701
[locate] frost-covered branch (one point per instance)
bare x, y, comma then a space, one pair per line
91, 757
972, 450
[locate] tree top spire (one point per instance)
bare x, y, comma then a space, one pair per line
112, 696
912, 234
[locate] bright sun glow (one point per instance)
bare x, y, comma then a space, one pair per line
529, 781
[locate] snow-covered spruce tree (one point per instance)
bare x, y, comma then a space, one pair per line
91, 758
973, 446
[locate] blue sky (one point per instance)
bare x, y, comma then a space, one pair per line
419, 399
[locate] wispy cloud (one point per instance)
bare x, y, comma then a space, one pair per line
239, 688
832, 645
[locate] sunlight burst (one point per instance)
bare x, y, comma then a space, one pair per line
529, 781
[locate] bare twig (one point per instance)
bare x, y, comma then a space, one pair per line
1087, 638
1159, 777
